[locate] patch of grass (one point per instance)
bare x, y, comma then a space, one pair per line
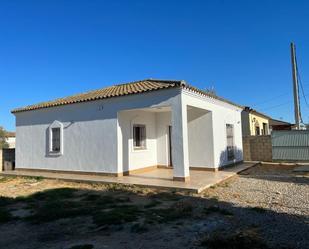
121, 188
5, 215
85, 246
99, 202
258, 209
240, 240
61, 203
166, 196
98, 199
152, 203
6, 178
4, 201
53, 194
91, 197
34, 178
216, 209
224, 184
55, 210
179, 210
139, 228
116, 216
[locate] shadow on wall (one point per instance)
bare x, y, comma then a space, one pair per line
224, 160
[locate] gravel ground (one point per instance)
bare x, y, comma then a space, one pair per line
280, 198
272, 187
269, 203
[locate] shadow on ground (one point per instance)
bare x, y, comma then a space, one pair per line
279, 173
129, 217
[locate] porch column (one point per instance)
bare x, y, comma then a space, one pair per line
180, 141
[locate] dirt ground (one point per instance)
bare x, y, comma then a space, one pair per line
264, 207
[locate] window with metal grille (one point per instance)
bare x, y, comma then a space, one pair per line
139, 137
230, 141
265, 129
55, 140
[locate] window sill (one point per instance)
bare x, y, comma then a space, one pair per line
54, 153
139, 149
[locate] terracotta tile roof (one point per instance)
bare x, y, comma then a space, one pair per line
118, 90
250, 110
274, 122
10, 134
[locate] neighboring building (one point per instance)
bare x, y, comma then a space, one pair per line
279, 125
254, 123
128, 127
10, 139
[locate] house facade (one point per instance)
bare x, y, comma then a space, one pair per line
10, 139
129, 127
254, 123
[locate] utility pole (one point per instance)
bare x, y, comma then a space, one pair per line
295, 87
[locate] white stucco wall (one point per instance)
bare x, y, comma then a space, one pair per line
92, 135
163, 121
222, 114
97, 135
156, 152
200, 138
138, 158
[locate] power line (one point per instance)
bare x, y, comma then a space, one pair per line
272, 99
275, 106
301, 85
275, 97
283, 103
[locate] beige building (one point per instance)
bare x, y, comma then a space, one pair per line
254, 123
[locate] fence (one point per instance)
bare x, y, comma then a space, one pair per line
7, 159
290, 145
257, 148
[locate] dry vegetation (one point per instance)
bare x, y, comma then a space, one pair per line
39, 213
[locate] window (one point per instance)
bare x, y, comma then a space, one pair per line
257, 130
139, 137
55, 140
230, 141
265, 129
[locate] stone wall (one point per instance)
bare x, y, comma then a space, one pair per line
257, 148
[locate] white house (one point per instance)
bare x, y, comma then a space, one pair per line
10, 139
128, 127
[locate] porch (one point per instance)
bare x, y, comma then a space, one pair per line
156, 178
162, 136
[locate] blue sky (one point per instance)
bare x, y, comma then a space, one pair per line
51, 49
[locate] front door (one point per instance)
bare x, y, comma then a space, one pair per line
170, 161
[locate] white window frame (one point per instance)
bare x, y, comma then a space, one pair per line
141, 148
59, 125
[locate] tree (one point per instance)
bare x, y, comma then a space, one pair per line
3, 137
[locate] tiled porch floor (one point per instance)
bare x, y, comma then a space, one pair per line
160, 178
